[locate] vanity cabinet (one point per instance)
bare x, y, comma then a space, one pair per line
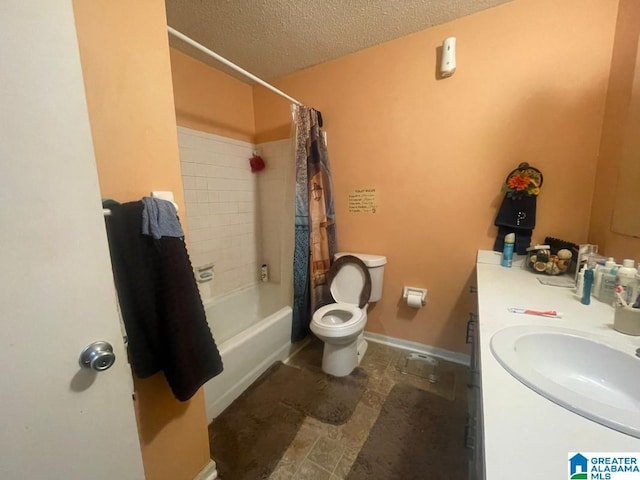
473, 435
515, 432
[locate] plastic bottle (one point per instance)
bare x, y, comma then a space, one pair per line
587, 284
607, 292
584, 252
580, 282
625, 278
507, 251
635, 290
600, 271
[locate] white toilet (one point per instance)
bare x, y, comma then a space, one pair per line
341, 325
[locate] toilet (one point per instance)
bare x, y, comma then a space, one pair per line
355, 280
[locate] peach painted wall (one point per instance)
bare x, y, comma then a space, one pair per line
211, 101
623, 66
124, 51
530, 87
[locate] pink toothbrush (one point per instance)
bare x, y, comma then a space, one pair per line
540, 313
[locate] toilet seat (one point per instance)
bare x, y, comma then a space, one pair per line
346, 320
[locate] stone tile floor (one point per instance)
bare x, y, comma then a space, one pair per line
322, 451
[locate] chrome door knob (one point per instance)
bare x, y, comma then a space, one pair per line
98, 356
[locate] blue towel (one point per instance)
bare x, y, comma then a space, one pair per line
160, 219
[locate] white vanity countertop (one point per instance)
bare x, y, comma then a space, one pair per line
527, 436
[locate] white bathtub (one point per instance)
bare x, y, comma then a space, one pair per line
252, 329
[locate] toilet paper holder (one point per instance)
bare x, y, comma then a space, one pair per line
406, 291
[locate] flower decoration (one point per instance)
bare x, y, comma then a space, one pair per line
524, 181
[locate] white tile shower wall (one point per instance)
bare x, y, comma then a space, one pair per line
221, 195
273, 207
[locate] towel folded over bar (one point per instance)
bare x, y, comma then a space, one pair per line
161, 307
159, 218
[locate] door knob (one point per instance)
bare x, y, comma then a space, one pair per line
97, 356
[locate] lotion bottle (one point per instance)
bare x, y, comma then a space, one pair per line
600, 271
626, 277
580, 282
607, 292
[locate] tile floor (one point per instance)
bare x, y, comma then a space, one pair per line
326, 452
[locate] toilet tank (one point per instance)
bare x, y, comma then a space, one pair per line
375, 264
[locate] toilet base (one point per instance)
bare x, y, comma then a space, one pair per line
340, 360
362, 347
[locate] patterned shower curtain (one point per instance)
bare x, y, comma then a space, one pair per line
315, 228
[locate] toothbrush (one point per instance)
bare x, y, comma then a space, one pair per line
621, 301
545, 313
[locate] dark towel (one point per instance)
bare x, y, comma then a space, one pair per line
161, 307
516, 215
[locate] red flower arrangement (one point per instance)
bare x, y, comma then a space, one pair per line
523, 182
519, 183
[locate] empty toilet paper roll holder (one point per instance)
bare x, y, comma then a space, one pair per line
406, 291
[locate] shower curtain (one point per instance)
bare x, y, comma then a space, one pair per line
315, 228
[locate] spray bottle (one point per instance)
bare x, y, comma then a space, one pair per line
507, 251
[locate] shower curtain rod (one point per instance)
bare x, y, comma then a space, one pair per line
232, 65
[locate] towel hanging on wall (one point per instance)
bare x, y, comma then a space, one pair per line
517, 213
161, 308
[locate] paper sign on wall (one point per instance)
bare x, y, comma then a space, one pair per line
363, 200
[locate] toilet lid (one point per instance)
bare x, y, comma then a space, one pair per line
350, 281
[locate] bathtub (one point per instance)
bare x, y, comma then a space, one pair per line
252, 329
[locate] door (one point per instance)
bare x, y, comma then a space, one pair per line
58, 420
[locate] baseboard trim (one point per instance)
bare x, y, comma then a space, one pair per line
456, 357
209, 472
296, 348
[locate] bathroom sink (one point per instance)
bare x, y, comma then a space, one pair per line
579, 372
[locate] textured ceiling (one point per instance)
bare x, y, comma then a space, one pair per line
271, 38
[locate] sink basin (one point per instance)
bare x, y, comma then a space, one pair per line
580, 372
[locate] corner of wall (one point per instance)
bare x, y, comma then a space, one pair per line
124, 53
